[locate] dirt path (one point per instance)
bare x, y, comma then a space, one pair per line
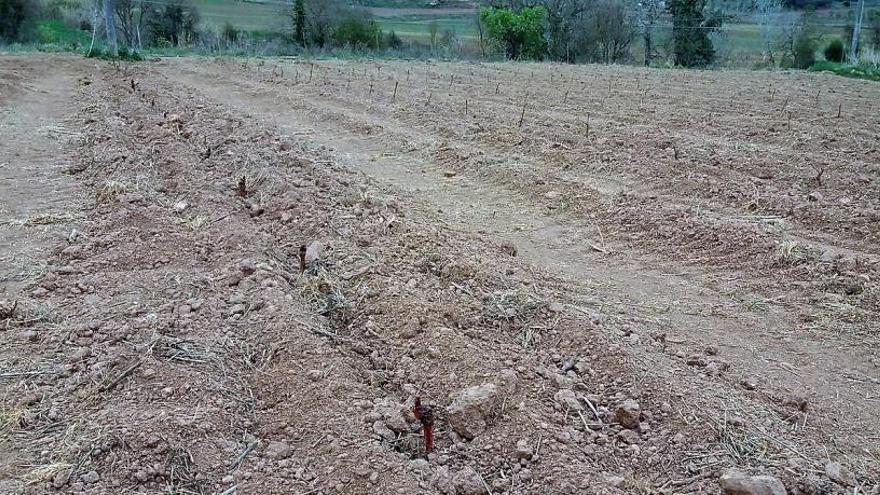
38, 202
696, 308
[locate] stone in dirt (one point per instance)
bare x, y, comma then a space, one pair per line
523, 450
468, 482
628, 414
442, 480
838, 473
569, 400
735, 482
313, 251
278, 450
469, 410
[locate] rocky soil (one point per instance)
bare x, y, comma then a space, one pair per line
240, 310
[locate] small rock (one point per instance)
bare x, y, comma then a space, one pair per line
227, 480
383, 431
278, 450
71, 251
90, 477
815, 196
696, 360
180, 206
569, 400
420, 466
60, 479
442, 480
508, 248
313, 252
628, 436
628, 414
449, 173
749, 383
238, 309
716, 367
523, 450
838, 473
256, 210
247, 266
615, 481
469, 410
468, 482
735, 482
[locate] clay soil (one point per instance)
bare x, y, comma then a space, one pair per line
558, 241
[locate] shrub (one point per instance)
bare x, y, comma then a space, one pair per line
804, 51
834, 52
393, 41
356, 32
521, 34
230, 34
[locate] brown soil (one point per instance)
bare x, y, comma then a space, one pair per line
661, 236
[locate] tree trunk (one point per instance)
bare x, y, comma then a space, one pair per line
648, 45
857, 33
110, 22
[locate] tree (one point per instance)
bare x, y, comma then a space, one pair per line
110, 23
299, 22
875, 28
766, 14
132, 16
647, 15
14, 15
520, 35
175, 23
804, 46
690, 32
321, 16
857, 32
614, 32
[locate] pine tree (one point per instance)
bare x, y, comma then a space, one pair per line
690, 33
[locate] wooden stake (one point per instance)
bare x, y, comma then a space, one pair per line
394, 97
522, 115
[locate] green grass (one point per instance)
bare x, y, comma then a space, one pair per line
419, 25
59, 33
862, 71
251, 15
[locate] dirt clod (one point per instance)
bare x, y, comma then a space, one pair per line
471, 409
628, 414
